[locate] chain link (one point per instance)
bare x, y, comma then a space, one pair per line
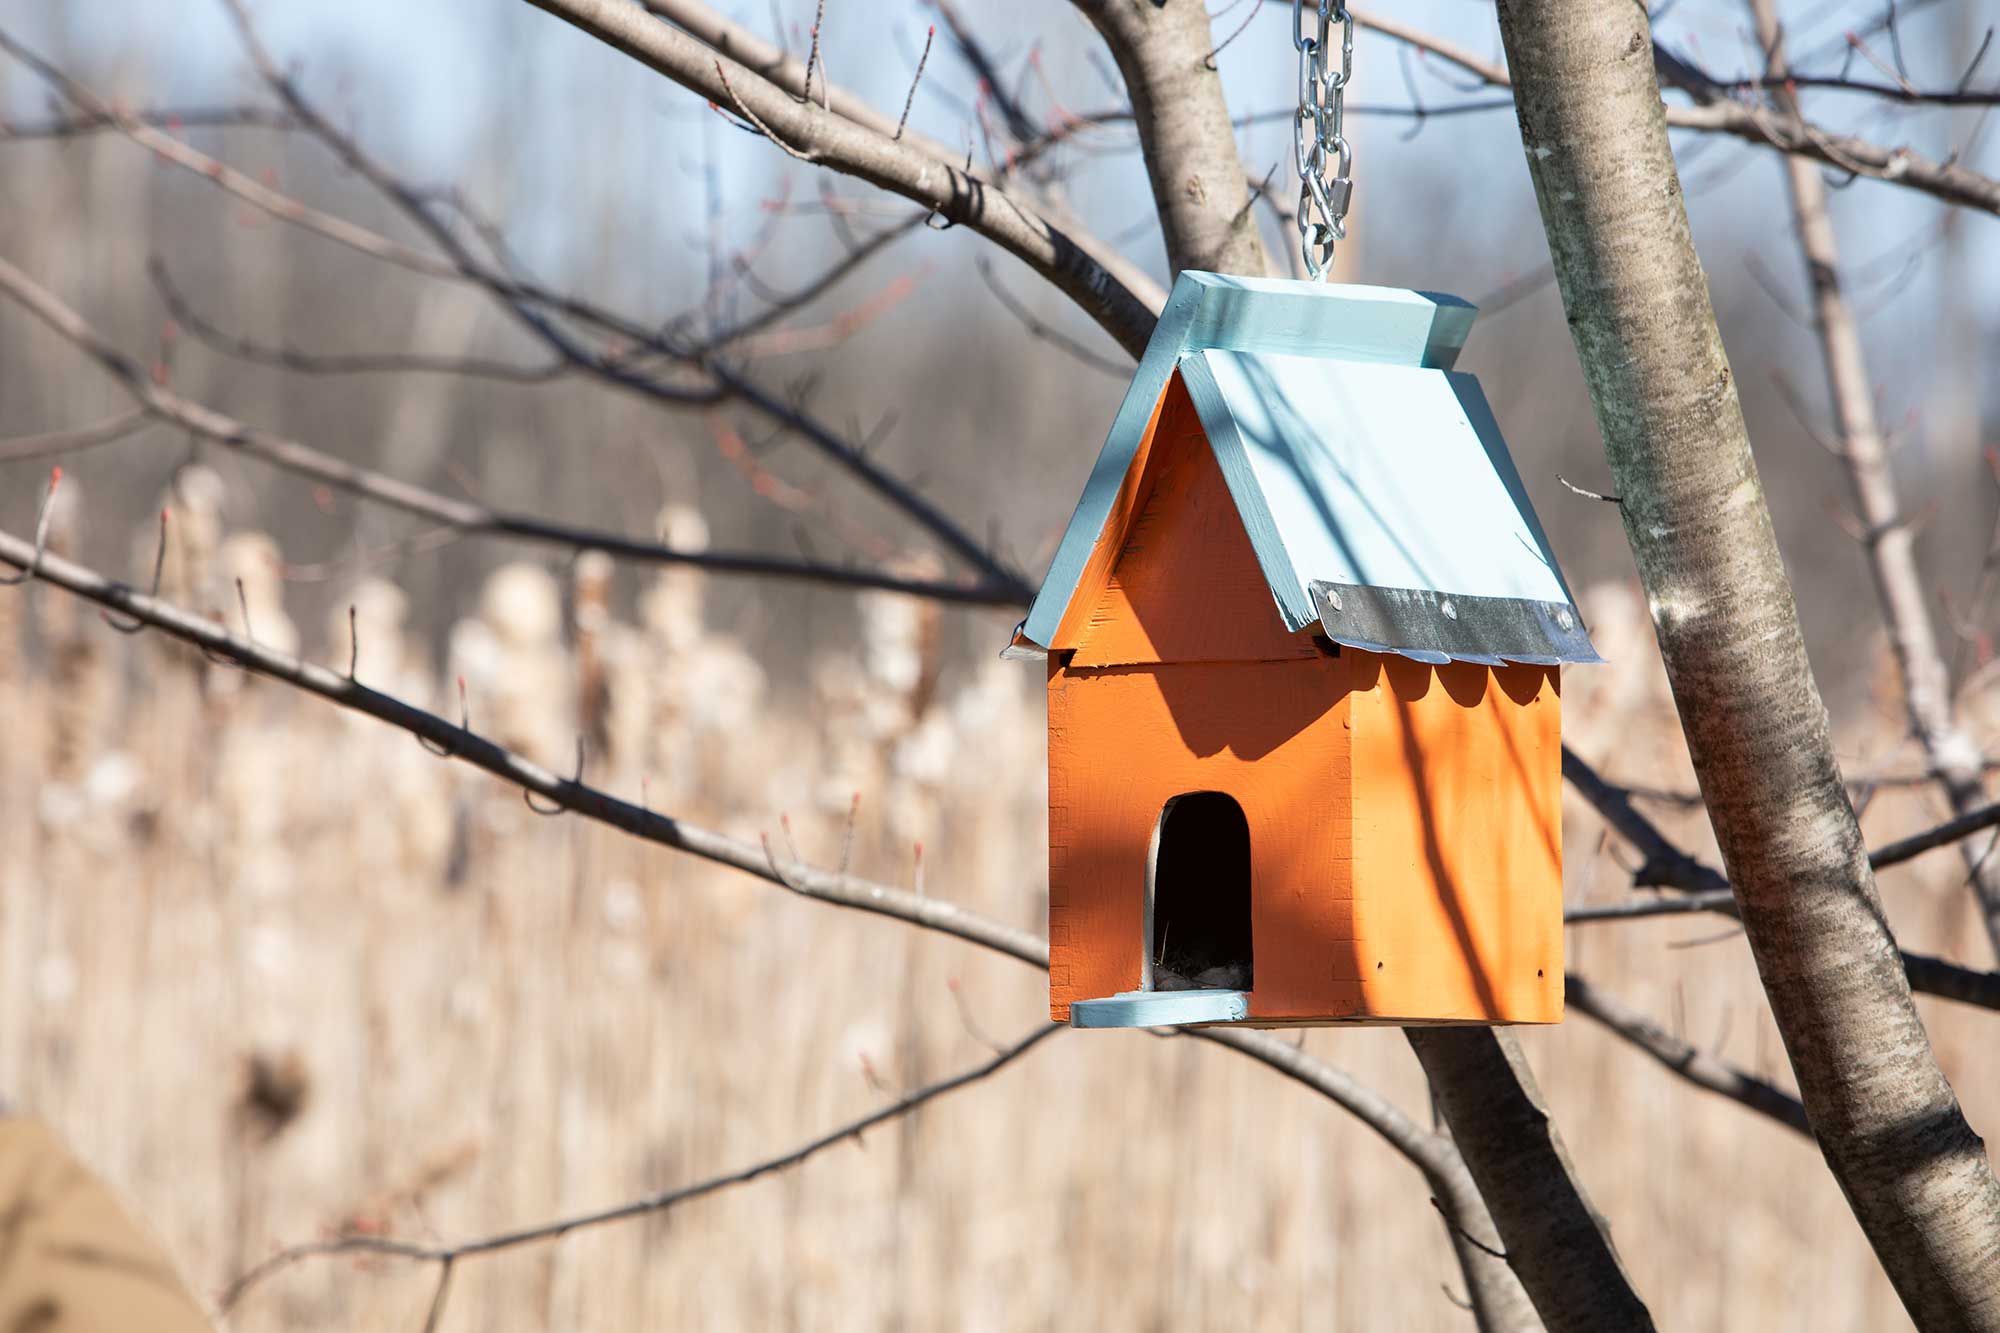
1325, 158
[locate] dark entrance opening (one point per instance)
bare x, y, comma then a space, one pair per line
1198, 896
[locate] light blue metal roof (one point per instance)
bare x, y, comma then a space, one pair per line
1372, 480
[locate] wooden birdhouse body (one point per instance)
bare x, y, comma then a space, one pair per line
1304, 709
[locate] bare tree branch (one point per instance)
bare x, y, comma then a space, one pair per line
1888, 540
1697, 1067
525, 299
465, 516
1037, 329
1888, 92
1947, 180
277, 204
782, 305
1709, 900
1120, 306
446, 1256
174, 119
1667, 866
287, 357
51, 443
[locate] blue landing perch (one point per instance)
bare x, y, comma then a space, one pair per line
1161, 1009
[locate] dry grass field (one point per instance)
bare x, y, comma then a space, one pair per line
280, 974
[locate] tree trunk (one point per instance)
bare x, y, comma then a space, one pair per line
1693, 508
1558, 1243
1199, 189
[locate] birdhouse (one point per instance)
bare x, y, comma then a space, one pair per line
1303, 638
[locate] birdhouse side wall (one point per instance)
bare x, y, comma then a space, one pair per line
1123, 741
1457, 817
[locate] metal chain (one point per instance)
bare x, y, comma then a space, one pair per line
1325, 158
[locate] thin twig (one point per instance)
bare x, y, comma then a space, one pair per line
1667, 866
659, 1202
1208, 61
1036, 328
1588, 495
460, 515
57, 442
365, 363
177, 120
1887, 539
42, 518
903, 121
1690, 1063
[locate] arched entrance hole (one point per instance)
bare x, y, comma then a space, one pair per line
1198, 896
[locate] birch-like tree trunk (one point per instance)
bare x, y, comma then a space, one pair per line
1888, 1123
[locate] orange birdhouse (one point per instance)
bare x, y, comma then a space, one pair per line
1303, 639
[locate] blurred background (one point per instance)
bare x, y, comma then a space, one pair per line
278, 973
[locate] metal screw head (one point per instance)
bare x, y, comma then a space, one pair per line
1450, 611
1332, 598
1564, 618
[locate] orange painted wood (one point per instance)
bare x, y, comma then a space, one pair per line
1404, 822
1185, 586
1123, 740
1458, 838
